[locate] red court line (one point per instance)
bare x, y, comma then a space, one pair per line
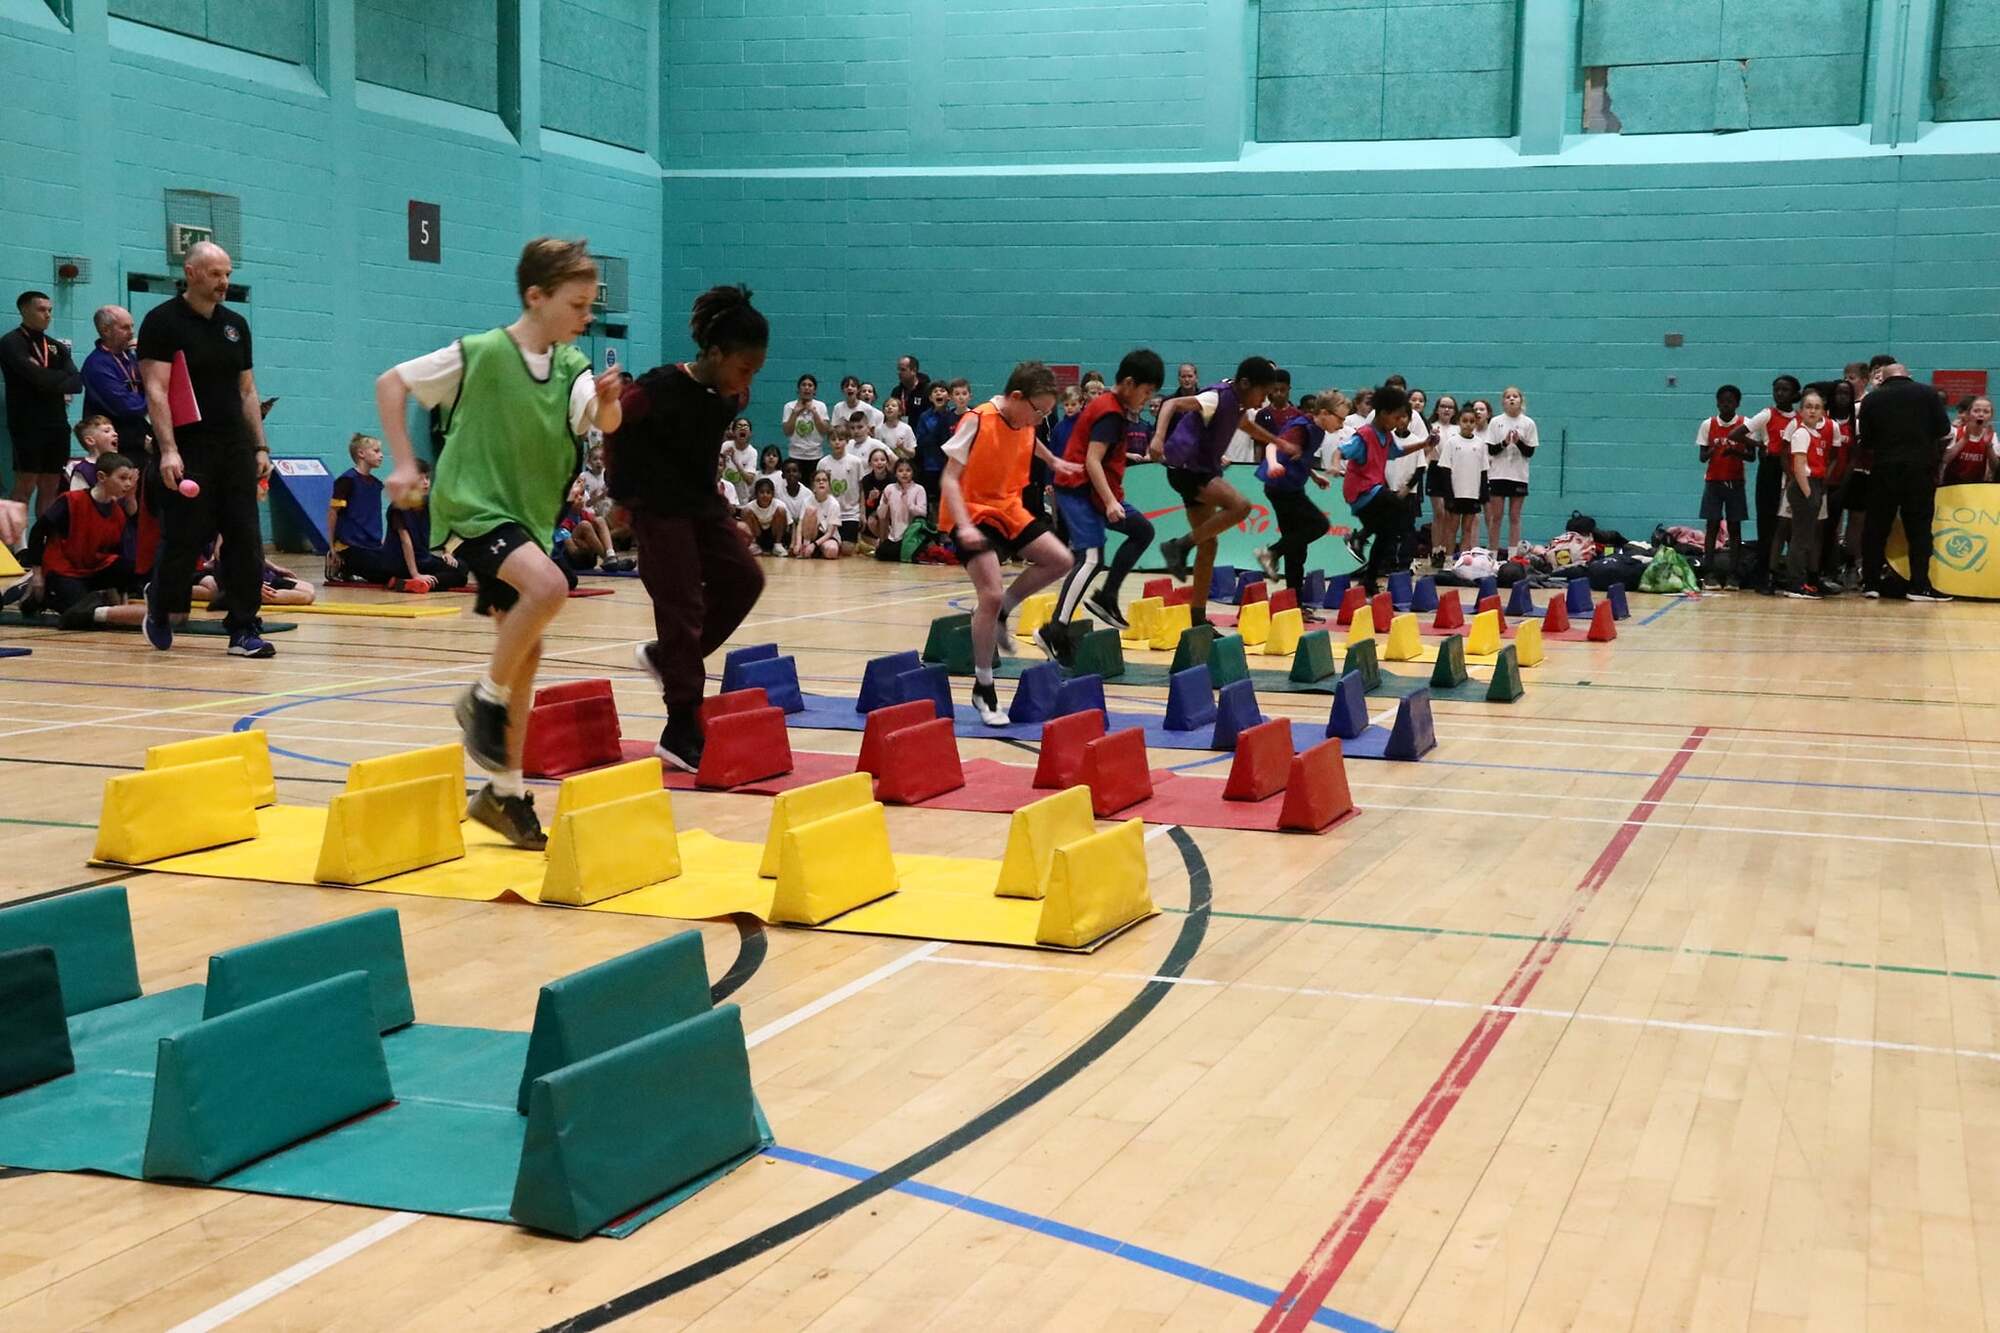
1308, 1289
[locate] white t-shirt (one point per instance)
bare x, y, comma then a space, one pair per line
900, 438
806, 426
777, 480
596, 495
432, 380
1400, 474
795, 502
1510, 464
904, 503
1466, 459
739, 469
763, 514
843, 479
841, 412
829, 516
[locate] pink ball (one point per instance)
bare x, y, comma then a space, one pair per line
190, 487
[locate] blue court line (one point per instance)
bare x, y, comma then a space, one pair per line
1092, 1240
1663, 610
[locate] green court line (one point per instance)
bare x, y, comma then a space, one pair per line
1513, 936
45, 823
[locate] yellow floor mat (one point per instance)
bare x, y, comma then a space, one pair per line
384, 610
942, 897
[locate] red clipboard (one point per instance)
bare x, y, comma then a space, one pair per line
181, 404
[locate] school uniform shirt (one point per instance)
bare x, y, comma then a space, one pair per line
900, 438
1970, 465
905, 503
1401, 473
1466, 458
807, 428
1723, 465
843, 480
596, 493
1815, 445
1511, 464
795, 502
1771, 428
739, 469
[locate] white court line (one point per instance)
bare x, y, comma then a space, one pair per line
1686, 825
279, 1283
1480, 718
1525, 1011
270, 1288
1732, 752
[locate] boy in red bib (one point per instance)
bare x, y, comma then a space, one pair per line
76, 552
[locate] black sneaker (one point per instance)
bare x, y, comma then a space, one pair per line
250, 643
1804, 592
1053, 639
1926, 595
1174, 552
1106, 612
986, 702
157, 626
1357, 545
680, 745
1309, 616
512, 817
484, 724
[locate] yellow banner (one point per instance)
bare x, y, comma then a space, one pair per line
1965, 542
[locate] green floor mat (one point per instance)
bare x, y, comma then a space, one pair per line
1268, 681
450, 1144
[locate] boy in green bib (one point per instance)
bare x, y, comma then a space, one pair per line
516, 402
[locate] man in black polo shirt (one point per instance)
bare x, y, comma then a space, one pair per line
39, 374
913, 388
219, 445
1902, 431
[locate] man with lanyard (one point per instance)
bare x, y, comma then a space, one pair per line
913, 388
219, 446
40, 376
111, 384
1903, 429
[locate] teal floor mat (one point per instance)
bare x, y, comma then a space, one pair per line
450, 1144
1269, 682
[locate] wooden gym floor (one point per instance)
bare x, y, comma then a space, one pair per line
1668, 997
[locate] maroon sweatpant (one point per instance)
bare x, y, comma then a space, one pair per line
703, 582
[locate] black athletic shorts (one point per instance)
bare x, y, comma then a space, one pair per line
60, 592
850, 530
1505, 490
1007, 547
484, 555
1189, 485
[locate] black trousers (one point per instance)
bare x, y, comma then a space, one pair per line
1906, 491
226, 507
1381, 519
1770, 486
1300, 524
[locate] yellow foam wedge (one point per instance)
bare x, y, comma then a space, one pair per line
1287, 628
1096, 885
1406, 639
604, 785
1483, 635
1253, 623
10, 568
443, 761
1142, 619
381, 831
1033, 613
165, 812
1363, 626
1038, 828
1528, 643
1168, 628
833, 865
802, 805
250, 746
612, 847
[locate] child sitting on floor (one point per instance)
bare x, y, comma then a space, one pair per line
819, 526
766, 524
355, 552
282, 587
410, 537
98, 437
76, 553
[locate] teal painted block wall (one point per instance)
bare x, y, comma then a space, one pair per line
448, 49
596, 73
324, 175
1968, 60
1561, 279
281, 29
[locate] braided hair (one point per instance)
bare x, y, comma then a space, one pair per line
724, 321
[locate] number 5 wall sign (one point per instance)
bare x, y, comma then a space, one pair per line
425, 224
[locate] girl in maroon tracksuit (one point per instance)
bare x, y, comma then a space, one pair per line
661, 466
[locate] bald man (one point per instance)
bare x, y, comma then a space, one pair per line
111, 385
220, 446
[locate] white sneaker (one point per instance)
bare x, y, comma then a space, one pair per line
986, 702
1267, 562
782, 552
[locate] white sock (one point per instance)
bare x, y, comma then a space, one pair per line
490, 692
983, 675
101, 616
510, 783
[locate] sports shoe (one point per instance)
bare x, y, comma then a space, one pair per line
782, 552
1174, 552
1357, 545
1102, 610
1872, 594
1309, 616
249, 643
643, 655
1804, 592
512, 817
1053, 639
1267, 562
158, 628
1927, 595
484, 724
680, 744
84, 614
986, 702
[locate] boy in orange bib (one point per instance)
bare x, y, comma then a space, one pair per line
986, 468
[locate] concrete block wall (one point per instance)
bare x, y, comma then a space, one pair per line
597, 75
324, 165
1385, 69
1968, 60
281, 29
